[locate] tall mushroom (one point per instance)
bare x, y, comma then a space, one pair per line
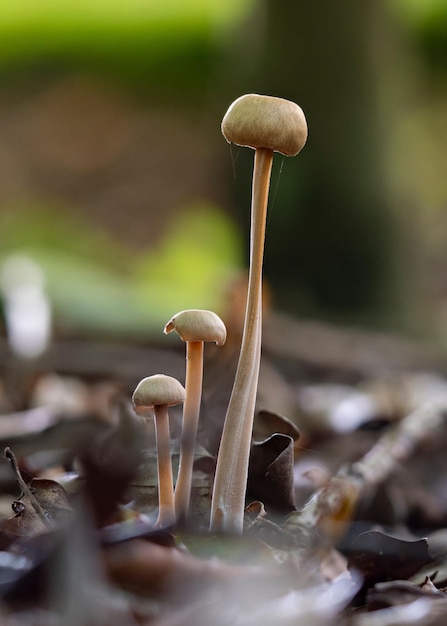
268, 125
194, 326
160, 392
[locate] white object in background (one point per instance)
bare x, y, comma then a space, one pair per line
27, 309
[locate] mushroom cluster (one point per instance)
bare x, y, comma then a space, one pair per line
266, 124
158, 392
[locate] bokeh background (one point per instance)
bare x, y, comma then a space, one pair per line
121, 203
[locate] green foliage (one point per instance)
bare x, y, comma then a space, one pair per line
58, 229
422, 12
97, 285
428, 21
131, 38
192, 265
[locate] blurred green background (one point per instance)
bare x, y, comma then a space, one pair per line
115, 180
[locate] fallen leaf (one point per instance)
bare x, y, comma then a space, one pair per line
267, 423
270, 474
378, 557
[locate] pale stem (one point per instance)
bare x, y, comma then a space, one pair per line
191, 411
166, 511
230, 483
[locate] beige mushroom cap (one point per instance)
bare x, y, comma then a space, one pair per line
265, 122
198, 325
157, 390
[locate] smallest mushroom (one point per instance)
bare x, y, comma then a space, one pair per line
195, 326
160, 392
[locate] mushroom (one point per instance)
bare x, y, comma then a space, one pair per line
268, 125
160, 392
194, 326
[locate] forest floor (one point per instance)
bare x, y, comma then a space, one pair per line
346, 518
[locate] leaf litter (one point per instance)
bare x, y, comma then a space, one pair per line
342, 526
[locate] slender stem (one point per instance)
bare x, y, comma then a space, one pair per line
191, 410
166, 511
230, 483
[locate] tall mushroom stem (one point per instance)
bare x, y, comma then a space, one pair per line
266, 124
166, 511
228, 501
191, 410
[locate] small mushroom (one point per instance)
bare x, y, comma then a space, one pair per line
160, 392
268, 125
194, 326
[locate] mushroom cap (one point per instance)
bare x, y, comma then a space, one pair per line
265, 122
156, 390
198, 325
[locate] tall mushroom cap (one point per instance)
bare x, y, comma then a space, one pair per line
156, 390
265, 122
198, 325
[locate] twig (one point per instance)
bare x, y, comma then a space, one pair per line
331, 507
347, 350
9, 454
